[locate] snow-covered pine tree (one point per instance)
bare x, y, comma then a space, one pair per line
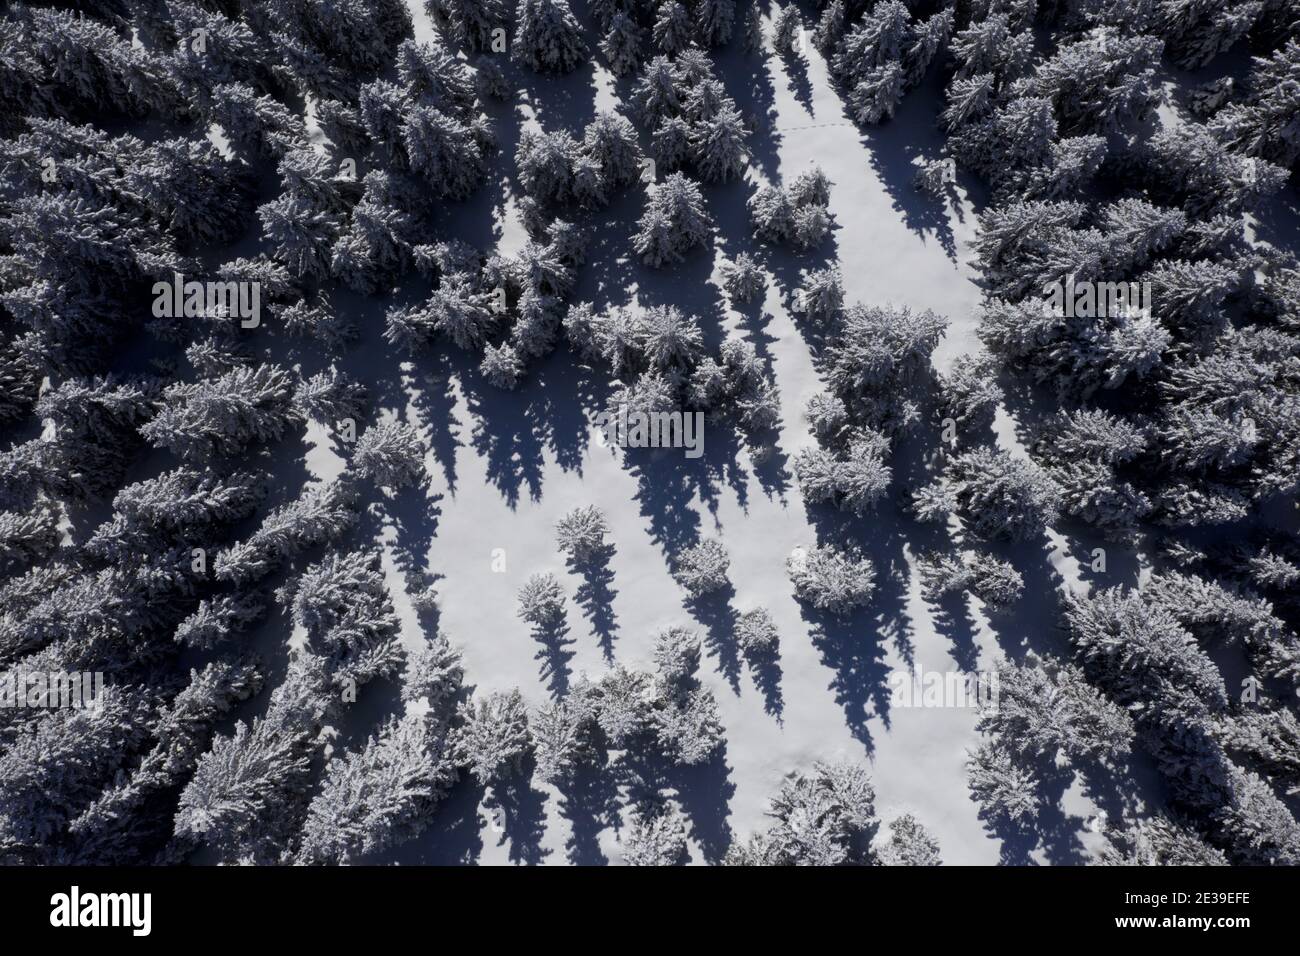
787, 30
390, 453
321, 513
674, 222
656, 837
826, 817
1048, 709
622, 45
581, 533
999, 496
492, 739
472, 22
448, 153
677, 657
611, 140
542, 600
502, 366
219, 619
343, 605
743, 279
1159, 841
563, 736
718, 145
547, 36
831, 579
54, 767
249, 791
909, 844
1008, 791
756, 634
672, 28
302, 234
657, 95
378, 795
821, 296
225, 414
122, 825
702, 568
329, 397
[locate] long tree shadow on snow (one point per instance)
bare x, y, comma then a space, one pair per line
703, 791
517, 811
715, 613
554, 655
595, 596
589, 800
454, 836
511, 429
593, 794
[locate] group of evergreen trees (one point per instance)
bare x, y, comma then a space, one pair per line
827, 817
1177, 410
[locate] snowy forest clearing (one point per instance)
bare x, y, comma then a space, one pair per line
918, 759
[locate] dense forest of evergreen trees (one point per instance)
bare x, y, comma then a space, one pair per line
1178, 424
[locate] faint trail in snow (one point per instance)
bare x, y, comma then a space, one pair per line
791, 129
